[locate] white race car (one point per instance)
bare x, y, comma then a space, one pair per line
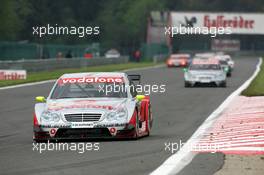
228, 59
112, 53
205, 71
92, 105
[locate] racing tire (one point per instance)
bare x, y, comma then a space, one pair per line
150, 119
34, 140
186, 84
223, 84
136, 136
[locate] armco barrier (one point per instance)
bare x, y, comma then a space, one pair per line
159, 58
53, 64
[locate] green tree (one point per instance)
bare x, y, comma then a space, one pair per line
8, 19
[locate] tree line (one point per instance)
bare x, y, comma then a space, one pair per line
122, 22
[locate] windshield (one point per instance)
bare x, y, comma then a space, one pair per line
179, 57
112, 52
89, 90
222, 62
205, 67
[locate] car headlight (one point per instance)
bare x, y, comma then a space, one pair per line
111, 116
117, 115
50, 117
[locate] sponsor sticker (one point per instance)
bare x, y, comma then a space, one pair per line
82, 125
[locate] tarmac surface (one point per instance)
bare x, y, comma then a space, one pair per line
177, 114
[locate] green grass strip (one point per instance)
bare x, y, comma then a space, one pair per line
256, 88
41, 76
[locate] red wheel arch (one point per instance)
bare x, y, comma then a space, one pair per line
35, 120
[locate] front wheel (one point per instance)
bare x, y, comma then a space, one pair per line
150, 119
186, 84
223, 84
136, 135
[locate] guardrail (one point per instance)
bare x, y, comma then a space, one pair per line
62, 63
159, 58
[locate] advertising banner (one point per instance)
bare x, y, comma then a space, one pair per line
13, 74
239, 23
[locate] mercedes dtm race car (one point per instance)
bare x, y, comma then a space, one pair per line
227, 63
178, 60
229, 60
226, 67
205, 71
93, 105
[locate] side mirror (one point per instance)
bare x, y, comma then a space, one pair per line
185, 70
40, 99
140, 97
226, 69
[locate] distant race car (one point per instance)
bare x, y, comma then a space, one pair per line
227, 63
93, 105
178, 60
112, 53
205, 71
226, 67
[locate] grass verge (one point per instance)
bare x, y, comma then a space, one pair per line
256, 88
41, 76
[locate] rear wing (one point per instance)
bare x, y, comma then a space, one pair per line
134, 78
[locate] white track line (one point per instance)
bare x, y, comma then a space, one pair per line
51, 81
27, 84
184, 156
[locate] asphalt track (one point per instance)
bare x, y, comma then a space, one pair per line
177, 113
